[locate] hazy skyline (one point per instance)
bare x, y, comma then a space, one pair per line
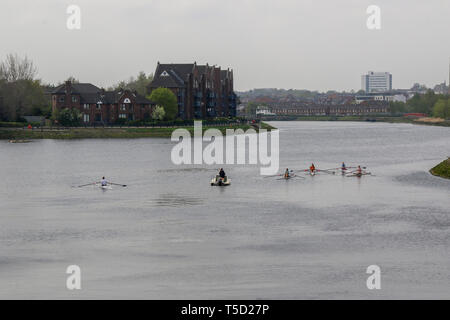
315, 45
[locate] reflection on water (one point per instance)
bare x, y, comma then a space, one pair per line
174, 200
169, 234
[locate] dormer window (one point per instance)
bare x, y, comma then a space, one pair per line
164, 74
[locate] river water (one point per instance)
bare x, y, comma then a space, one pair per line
170, 235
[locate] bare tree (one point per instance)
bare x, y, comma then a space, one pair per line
15, 68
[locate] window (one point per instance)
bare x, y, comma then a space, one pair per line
164, 74
99, 106
62, 98
86, 118
98, 117
123, 107
122, 116
86, 106
74, 99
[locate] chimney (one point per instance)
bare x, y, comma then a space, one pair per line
68, 86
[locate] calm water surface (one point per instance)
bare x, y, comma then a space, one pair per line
171, 235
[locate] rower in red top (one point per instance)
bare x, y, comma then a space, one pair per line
359, 171
312, 169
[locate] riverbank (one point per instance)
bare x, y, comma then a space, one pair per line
442, 170
110, 132
367, 118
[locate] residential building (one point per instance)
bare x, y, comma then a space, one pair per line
202, 91
98, 106
364, 108
381, 97
376, 82
264, 111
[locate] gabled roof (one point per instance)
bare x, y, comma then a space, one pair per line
172, 75
91, 94
77, 88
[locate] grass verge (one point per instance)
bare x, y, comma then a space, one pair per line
442, 169
107, 133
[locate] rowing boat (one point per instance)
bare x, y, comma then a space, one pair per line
356, 174
284, 177
107, 187
218, 181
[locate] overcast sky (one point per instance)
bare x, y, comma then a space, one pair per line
301, 44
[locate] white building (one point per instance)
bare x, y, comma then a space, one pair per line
376, 82
381, 97
265, 111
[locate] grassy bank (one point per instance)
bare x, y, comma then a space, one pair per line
106, 133
374, 118
442, 169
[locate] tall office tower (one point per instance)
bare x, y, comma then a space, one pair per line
376, 82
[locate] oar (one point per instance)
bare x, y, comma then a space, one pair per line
85, 185
117, 184
327, 171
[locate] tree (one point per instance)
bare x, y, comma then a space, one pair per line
396, 107
68, 117
250, 108
166, 98
20, 98
139, 84
20, 94
14, 68
158, 113
72, 79
441, 109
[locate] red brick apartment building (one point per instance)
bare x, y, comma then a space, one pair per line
202, 91
98, 106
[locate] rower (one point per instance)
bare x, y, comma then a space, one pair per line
222, 173
286, 173
343, 167
312, 169
359, 170
104, 182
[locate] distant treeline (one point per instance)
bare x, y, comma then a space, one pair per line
436, 105
284, 93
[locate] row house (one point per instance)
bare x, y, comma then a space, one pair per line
333, 110
202, 91
98, 106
